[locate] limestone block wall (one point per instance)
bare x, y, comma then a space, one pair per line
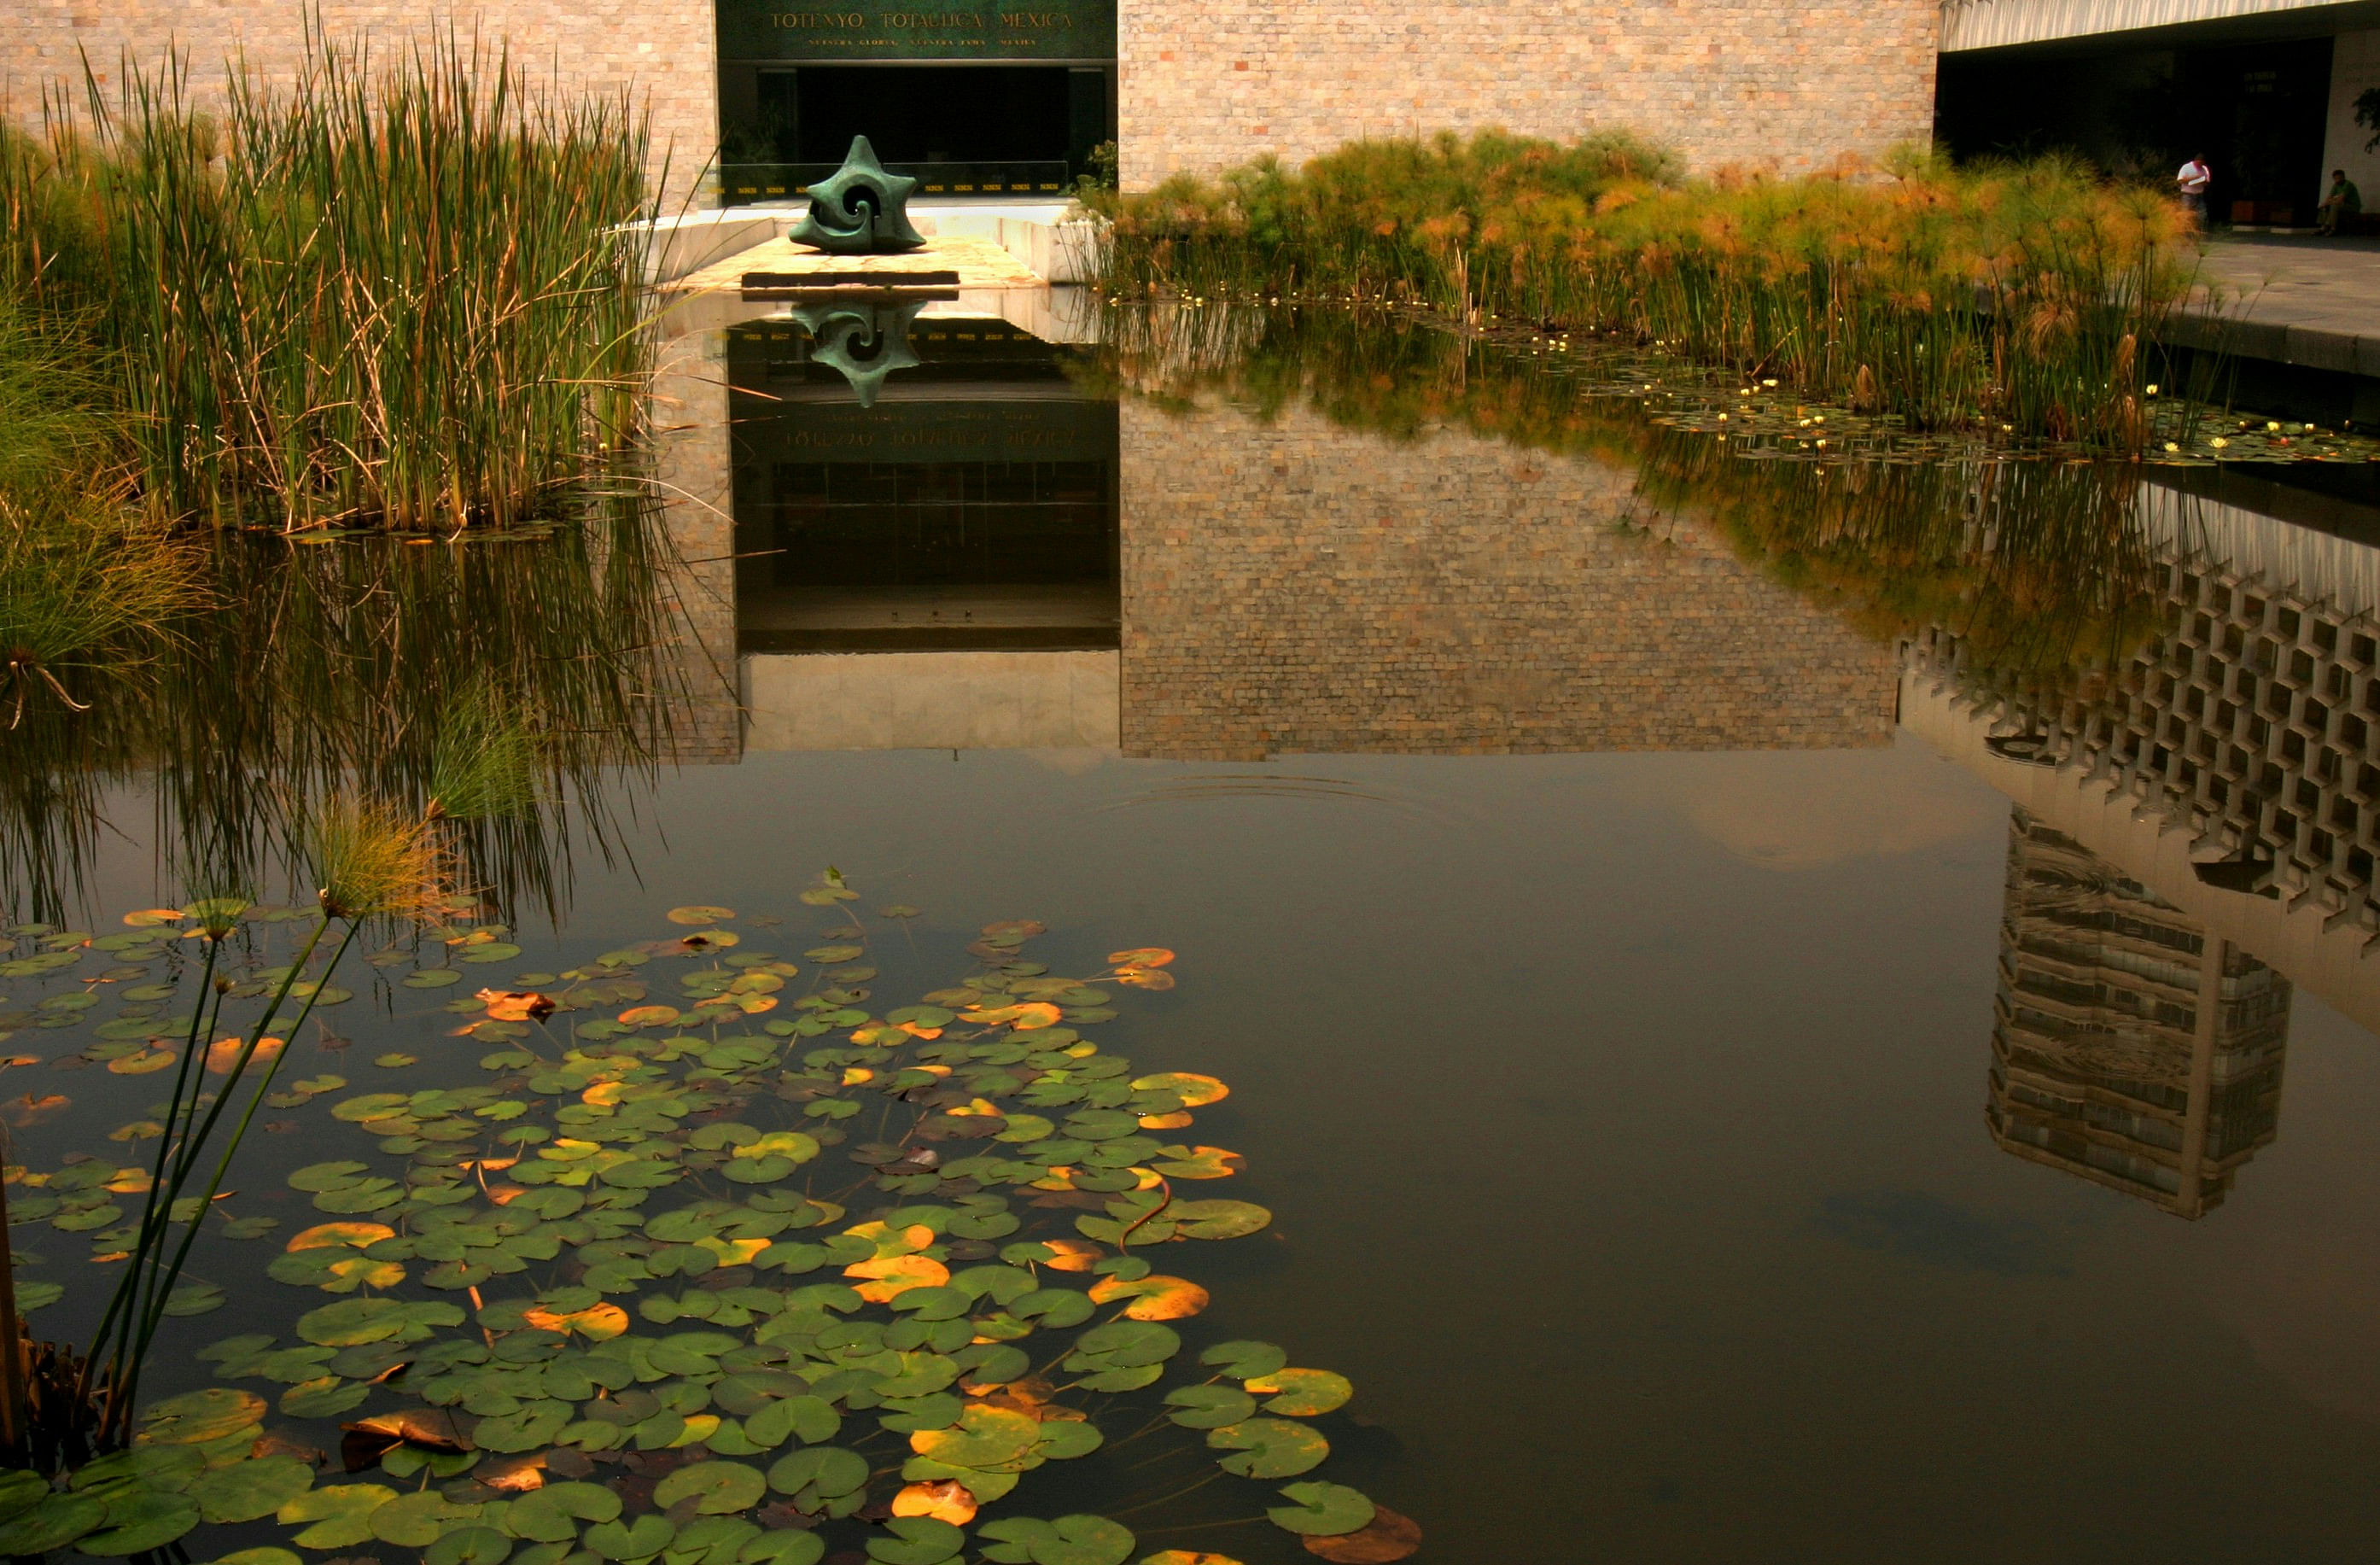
664, 51
1206, 84
1301, 587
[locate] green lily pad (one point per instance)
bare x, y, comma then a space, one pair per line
916, 1540
1303, 1393
194, 1297
197, 1416
470, 1546
1217, 1219
20, 1492
55, 1523
639, 1539
787, 1546
1322, 1510
818, 1474
417, 1521
258, 1486
431, 978
1269, 1448
1245, 1361
811, 1420
1208, 1407
1069, 1540
717, 1488
267, 1555
496, 950
140, 1521
552, 1513
339, 1514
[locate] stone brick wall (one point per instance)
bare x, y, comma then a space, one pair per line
1209, 83
662, 50
1299, 587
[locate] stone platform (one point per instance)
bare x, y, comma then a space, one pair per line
981, 263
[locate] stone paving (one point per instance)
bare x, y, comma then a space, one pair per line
981, 263
2300, 300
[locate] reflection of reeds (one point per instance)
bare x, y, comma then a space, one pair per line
505, 679
391, 289
2023, 296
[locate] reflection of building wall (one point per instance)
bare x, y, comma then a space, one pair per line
1299, 587
2129, 1047
2253, 724
691, 469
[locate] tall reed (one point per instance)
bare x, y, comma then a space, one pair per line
2023, 298
399, 289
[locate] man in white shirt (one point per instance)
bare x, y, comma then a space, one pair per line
2192, 181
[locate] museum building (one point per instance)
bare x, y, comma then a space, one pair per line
980, 98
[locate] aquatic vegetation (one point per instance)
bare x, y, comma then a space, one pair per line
709, 1270
397, 289
372, 864
2022, 298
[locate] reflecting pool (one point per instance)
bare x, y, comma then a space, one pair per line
1785, 1005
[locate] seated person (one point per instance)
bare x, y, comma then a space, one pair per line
2343, 205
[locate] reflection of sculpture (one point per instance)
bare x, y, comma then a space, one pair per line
865, 342
859, 208
2129, 1047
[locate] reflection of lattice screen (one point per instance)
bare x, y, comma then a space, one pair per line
2251, 725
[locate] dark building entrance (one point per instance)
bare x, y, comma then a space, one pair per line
2254, 108
970, 103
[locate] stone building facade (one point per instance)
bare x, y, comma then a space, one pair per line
661, 51
1199, 87
1214, 83
1301, 587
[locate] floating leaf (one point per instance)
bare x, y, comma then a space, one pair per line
431, 978
34, 1110
467, 1545
1269, 1448
892, 1276
1069, 1540
701, 914
1245, 1361
1208, 1407
1153, 1298
1196, 1091
197, 1416
1303, 1393
55, 1523
716, 1487
1389, 1536
599, 1322
258, 1486
194, 1297
630, 1540
1185, 1557
916, 1540
340, 1515
1217, 1219
139, 1521
1144, 978
1319, 1510
497, 951
946, 1499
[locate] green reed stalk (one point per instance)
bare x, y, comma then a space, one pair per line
403, 290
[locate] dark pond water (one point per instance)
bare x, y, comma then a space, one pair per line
1784, 1011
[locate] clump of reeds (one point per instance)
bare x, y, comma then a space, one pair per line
2023, 298
399, 289
370, 861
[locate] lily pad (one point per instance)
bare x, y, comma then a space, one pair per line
1319, 1510
717, 1488
197, 1416
55, 1523
916, 1540
256, 1487
1303, 1393
1069, 1540
1269, 1448
339, 1514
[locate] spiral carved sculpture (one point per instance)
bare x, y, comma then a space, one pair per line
860, 208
